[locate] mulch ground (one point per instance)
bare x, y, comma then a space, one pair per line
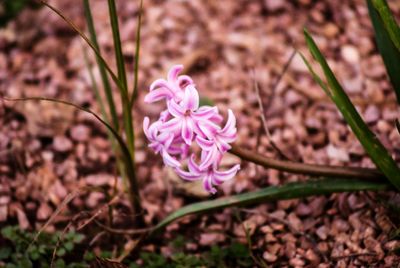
48, 152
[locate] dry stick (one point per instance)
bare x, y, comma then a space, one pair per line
261, 106
264, 122
308, 169
122, 231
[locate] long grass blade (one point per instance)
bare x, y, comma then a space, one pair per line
95, 87
102, 68
117, 43
385, 41
378, 153
388, 20
100, 101
137, 55
288, 191
127, 115
86, 39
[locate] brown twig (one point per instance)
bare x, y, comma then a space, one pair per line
264, 122
354, 255
308, 169
122, 231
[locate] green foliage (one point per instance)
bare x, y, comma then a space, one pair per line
19, 251
234, 255
387, 36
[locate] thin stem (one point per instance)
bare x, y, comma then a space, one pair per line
309, 169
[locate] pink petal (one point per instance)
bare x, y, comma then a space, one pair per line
175, 109
164, 116
164, 137
173, 72
172, 125
159, 84
208, 128
230, 124
169, 160
221, 176
188, 175
216, 119
205, 112
193, 167
155, 146
191, 98
212, 157
228, 138
146, 123
168, 142
152, 130
204, 144
187, 130
184, 81
207, 184
157, 95
223, 146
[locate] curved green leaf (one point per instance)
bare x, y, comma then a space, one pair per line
388, 20
378, 153
288, 191
386, 41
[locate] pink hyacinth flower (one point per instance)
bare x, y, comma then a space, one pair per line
216, 140
187, 115
172, 88
160, 142
211, 176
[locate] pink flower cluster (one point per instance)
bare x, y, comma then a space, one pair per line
185, 123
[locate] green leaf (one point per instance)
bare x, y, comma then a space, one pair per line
61, 252
288, 191
388, 20
5, 252
137, 55
117, 43
78, 238
379, 155
127, 114
385, 36
102, 68
69, 246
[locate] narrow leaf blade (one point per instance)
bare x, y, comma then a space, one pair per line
102, 68
378, 153
127, 115
387, 47
288, 191
389, 22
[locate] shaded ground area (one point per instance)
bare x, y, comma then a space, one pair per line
48, 151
